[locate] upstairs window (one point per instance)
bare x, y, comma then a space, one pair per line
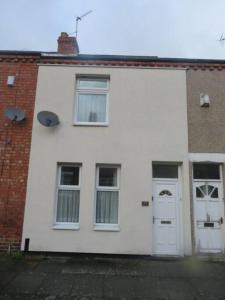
91, 101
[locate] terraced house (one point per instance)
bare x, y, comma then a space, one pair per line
131, 165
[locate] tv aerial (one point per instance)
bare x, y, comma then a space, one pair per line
222, 39
48, 118
79, 18
14, 114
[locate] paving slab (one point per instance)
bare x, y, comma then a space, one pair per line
25, 283
209, 288
6, 278
88, 285
56, 285
49, 267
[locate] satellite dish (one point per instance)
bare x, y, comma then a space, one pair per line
48, 118
14, 114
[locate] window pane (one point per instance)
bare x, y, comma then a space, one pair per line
206, 171
107, 177
93, 83
165, 171
69, 175
215, 193
165, 193
92, 108
68, 206
199, 193
107, 207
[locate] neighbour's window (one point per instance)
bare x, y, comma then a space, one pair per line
107, 195
91, 101
68, 194
206, 171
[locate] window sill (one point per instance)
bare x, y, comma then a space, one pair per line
66, 226
91, 124
106, 227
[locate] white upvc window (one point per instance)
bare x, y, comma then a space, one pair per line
68, 197
91, 106
107, 198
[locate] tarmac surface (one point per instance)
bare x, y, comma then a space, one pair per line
92, 277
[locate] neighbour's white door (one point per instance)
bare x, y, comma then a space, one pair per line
166, 217
209, 216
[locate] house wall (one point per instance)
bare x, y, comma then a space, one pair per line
206, 124
15, 141
147, 123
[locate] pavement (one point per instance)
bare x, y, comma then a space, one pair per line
95, 277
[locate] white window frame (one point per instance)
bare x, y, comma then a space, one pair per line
66, 225
107, 226
95, 91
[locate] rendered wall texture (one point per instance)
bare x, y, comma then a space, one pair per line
147, 123
206, 125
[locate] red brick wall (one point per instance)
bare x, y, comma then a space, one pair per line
15, 139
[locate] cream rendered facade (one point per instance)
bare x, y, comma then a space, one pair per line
147, 112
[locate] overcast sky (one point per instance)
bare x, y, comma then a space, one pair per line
166, 28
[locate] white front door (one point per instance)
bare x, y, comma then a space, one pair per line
209, 216
166, 221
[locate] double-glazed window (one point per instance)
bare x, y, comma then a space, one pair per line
68, 195
91, 101
107, 196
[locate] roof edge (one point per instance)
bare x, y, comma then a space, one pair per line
106, 57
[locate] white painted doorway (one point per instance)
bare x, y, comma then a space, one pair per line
166, 209
165, 217
208, 208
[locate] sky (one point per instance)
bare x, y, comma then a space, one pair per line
164, 28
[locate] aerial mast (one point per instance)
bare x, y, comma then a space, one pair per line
79, 18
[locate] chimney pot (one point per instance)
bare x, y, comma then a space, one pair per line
67, 44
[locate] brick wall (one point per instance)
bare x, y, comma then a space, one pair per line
15, 141
67, 44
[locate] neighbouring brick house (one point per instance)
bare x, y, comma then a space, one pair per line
15, 141
136, 128
206, 132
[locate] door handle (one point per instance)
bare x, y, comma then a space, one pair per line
221, 220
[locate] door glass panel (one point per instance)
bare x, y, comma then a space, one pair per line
165, 193
210, 188
165, 171
199, 193
215, 193
206, 171
204, 189
207, 190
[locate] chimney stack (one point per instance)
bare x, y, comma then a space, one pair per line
67, 44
